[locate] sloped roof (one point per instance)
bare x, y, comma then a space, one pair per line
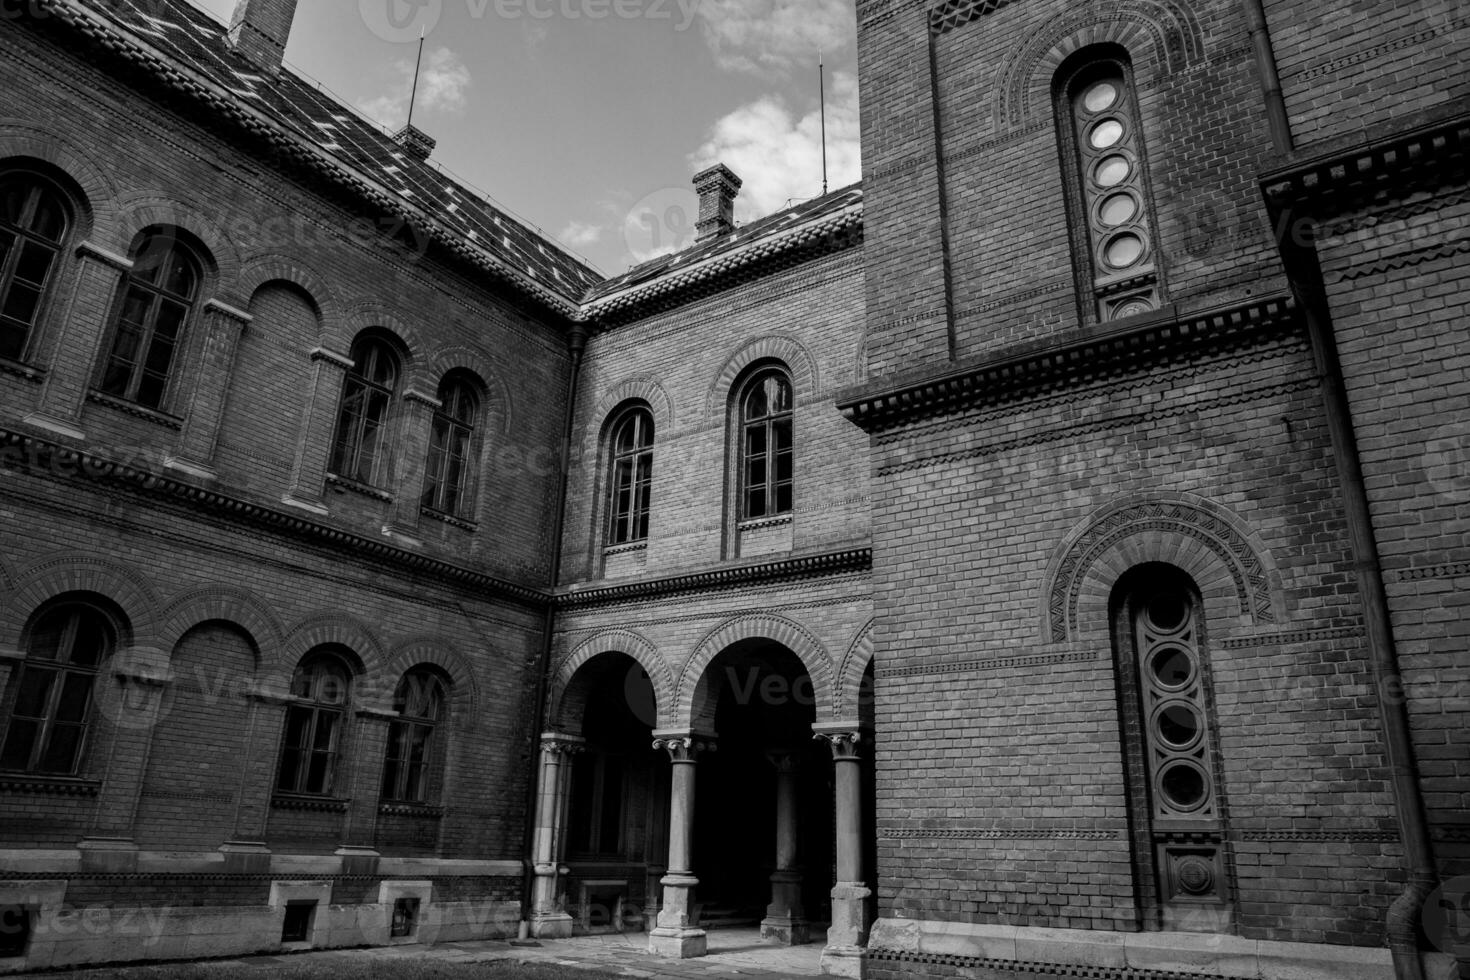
185, 48
833, 219
193, 41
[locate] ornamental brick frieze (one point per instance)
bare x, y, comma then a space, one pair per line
991, 663
1238, 557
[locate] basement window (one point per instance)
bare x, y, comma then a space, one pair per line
15, 930
405, 918
296, 927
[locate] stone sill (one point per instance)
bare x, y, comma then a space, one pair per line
282, 801
137, 411
48, 785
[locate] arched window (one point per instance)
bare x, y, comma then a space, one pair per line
148, 325
33, 224
766, 463
630, 484
311, 750
1173, 777
1098, 116
362, 421
451, 448
419, 704
50, 698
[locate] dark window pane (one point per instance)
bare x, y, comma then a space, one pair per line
783, 466
326, 728
75, 690
20, 741
35, 691
12, 340
21, 303
62, 748
91, 642
755, 505
34, 263
756, 405
49, 219
181, 277
319, 773
783, 499
45, 639
150, 391
13, 196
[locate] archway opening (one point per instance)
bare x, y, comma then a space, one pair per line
616, 837
761, 857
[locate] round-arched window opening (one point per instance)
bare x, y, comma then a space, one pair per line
1179, 725
1184, 785
1107, 133
1133, 307
1173, 668
1112, 170
1103, 95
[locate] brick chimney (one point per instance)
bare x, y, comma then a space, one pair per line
259, 31
415, 142
717, 188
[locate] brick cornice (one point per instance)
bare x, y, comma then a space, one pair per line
19, 450
786, 569
737, 267
1347, 177
1041, 368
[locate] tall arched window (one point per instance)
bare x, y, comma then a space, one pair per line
50, 699
419, 704
33, 224
766, 460
1098, 116
312, 748
361, 442
451, 448
1176, 800
148, 325
631, 477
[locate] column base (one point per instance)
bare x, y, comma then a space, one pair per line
553, 925
850, 916
845, 961
785, 930
678, 944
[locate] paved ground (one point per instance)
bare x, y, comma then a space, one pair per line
732, 953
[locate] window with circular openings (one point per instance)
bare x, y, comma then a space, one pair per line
1109, 162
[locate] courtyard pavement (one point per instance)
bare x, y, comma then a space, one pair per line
732, 953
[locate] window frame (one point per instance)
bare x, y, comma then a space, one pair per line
156, 297
10, 262
317, 709
770, 425
438, 459
1105, 293
62, 668
349, 435
630, 470
404, 779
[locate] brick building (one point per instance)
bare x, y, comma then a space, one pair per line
1055, 559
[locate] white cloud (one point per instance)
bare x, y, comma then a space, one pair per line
779, 155
580, 234
444, 86
760, 36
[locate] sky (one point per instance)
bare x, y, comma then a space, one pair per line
588, 118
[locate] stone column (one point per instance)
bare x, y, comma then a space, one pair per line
410, 456
246, 851
678, 934
83, 325
785, 920
358, 850
548, 919
847, 938
314, 440
128, 700
194, 452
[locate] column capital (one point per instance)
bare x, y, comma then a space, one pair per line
331, 357
88, 250
842, 739
413, 395
786, 761
226, 312
683, 746
557, 743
